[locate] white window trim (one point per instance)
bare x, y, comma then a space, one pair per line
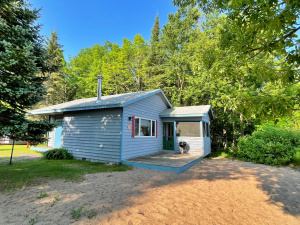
140, 128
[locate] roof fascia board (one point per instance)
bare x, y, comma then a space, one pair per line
148, 95
182, 115
74, 109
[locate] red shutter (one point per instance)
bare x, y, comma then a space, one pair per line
156, 128
133, 126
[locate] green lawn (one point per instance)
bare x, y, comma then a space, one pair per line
5, 150
21, 153
21, 174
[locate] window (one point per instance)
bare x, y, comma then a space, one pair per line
144, 127
206, 132
137, 127
188, 129
204, 129
153, 127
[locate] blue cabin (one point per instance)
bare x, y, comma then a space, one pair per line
119, 127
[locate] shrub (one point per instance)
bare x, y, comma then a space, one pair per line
296, 158
269, 145
59, 153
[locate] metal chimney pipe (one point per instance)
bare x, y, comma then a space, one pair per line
99, 88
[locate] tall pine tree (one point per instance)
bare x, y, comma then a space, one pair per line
22, 57
155, 60
58, 86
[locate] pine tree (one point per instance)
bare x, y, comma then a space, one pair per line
22, 57
57, 84
154, 41
155, 60
55, 52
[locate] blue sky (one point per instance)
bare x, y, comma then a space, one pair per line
81, 24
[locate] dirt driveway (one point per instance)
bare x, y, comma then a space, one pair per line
218, 191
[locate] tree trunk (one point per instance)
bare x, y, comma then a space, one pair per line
241, 125
12, 150
233, 136
225, 142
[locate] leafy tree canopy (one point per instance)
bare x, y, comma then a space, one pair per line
256, 27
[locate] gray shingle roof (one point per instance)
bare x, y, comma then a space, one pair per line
108, 101
187, 111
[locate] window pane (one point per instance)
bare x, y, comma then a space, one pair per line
145, 127
204, 129
153, 128
188, 129
136, 127
207, 130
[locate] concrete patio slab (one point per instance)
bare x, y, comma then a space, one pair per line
164, 161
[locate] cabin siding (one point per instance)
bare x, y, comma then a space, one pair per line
93, 134
207, 145
195, 145
148, 108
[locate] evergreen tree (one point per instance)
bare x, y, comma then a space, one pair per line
22, 57
154, 41
55, 52
155, 59
59, 88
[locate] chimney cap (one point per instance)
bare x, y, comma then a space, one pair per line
99, 77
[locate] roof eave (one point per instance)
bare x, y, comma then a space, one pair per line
182, 115
148, 95
46, 112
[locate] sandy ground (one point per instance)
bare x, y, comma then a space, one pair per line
218, 191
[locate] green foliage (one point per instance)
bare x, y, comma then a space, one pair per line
77, 213
43, 195
32, 221
269, 145
296, 158
155, 62
255, 27
22, 57
21, 174
56, 198
58, 84
90, 214
57, 154
177, 36
123, 68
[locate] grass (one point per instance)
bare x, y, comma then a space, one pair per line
5, 150
21, 174
220, 153
43, 195
90, 214
77, 213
